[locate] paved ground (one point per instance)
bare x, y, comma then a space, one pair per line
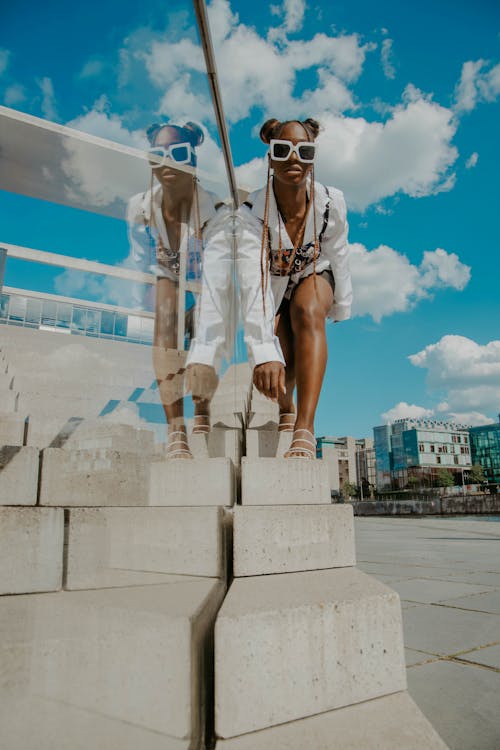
447, 572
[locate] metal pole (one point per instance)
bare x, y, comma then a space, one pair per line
208, 52
3, 255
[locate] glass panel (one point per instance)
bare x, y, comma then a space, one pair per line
63, 315
17, 309
49, 313
107, 322
33, 311
4, 305
79, 319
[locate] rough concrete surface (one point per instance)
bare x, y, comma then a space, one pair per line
293, 645
195, 482
267, 481
31, 549
115, 546
393, 722
18, 475
274, 539
135, 655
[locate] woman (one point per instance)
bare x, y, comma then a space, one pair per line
166, 225
300, 229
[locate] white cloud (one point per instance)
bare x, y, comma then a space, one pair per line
4, 60
472, 418
467, 372
386, 57
48, 105
404, 410
385, 281
100, 122
91, 69
14, 94
409, 153
478, 83
472, 160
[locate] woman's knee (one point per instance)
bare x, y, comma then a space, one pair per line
307, 314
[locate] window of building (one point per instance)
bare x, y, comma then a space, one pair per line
33, 311
63, 315
107, 323
438, 459
433, 448
4, 305
421, 447
79, 322
455, 459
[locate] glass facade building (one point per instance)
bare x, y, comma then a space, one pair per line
52, 313
485, 449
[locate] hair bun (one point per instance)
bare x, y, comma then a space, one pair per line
312, 126
197, 135
266, 131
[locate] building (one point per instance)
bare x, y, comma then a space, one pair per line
485, 450
349, 460
416, 450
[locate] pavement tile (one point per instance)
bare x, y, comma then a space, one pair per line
429, 591
413, 657
486, 602
489, 656
445, 630
461, 701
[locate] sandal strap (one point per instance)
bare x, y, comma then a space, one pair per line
308, 451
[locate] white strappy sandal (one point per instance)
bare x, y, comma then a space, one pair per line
296, 450
181, 452
286, 426
201, 428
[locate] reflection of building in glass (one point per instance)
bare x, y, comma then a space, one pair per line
348, 459
50, 312
415, 450
485, 450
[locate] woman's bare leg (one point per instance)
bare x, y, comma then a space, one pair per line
168, 375
309, 307
283, 330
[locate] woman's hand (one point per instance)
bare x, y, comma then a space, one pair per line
269, 379
202, 381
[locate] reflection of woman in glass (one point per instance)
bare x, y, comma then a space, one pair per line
166, 224
300, 228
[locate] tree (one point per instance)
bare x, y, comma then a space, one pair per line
476, 474
444, 478
349, 489
414, 482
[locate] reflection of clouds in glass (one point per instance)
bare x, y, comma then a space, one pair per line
92, 287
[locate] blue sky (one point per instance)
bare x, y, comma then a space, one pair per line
409, 101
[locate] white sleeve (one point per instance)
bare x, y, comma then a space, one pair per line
214, 309
334, 245
139, 248
258, 319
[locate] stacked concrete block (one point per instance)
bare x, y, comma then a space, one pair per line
12, 427
192, 482
31, 549
18, 475
124, 546
302, 635
137, 658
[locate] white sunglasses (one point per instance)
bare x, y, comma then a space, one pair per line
282, 150
181, 153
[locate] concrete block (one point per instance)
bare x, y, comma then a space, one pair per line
197, 482
99, 433
198, 445
31, 551
50, 431
18, 475
297, 644
142, 655
51, 723
116, 546
12, 429
224, 442
5, 379
261, 443
274, 539
98, 477
281, 481
393, 722
9, 401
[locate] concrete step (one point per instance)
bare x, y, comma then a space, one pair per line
18, 475
123, 546
51, 431
31, 549
140, 655
12, 429
274, 539
9, 401
99, 477
100, 433
393, 722
225, 442
281, 481
192, 482
5, 381
297, 644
